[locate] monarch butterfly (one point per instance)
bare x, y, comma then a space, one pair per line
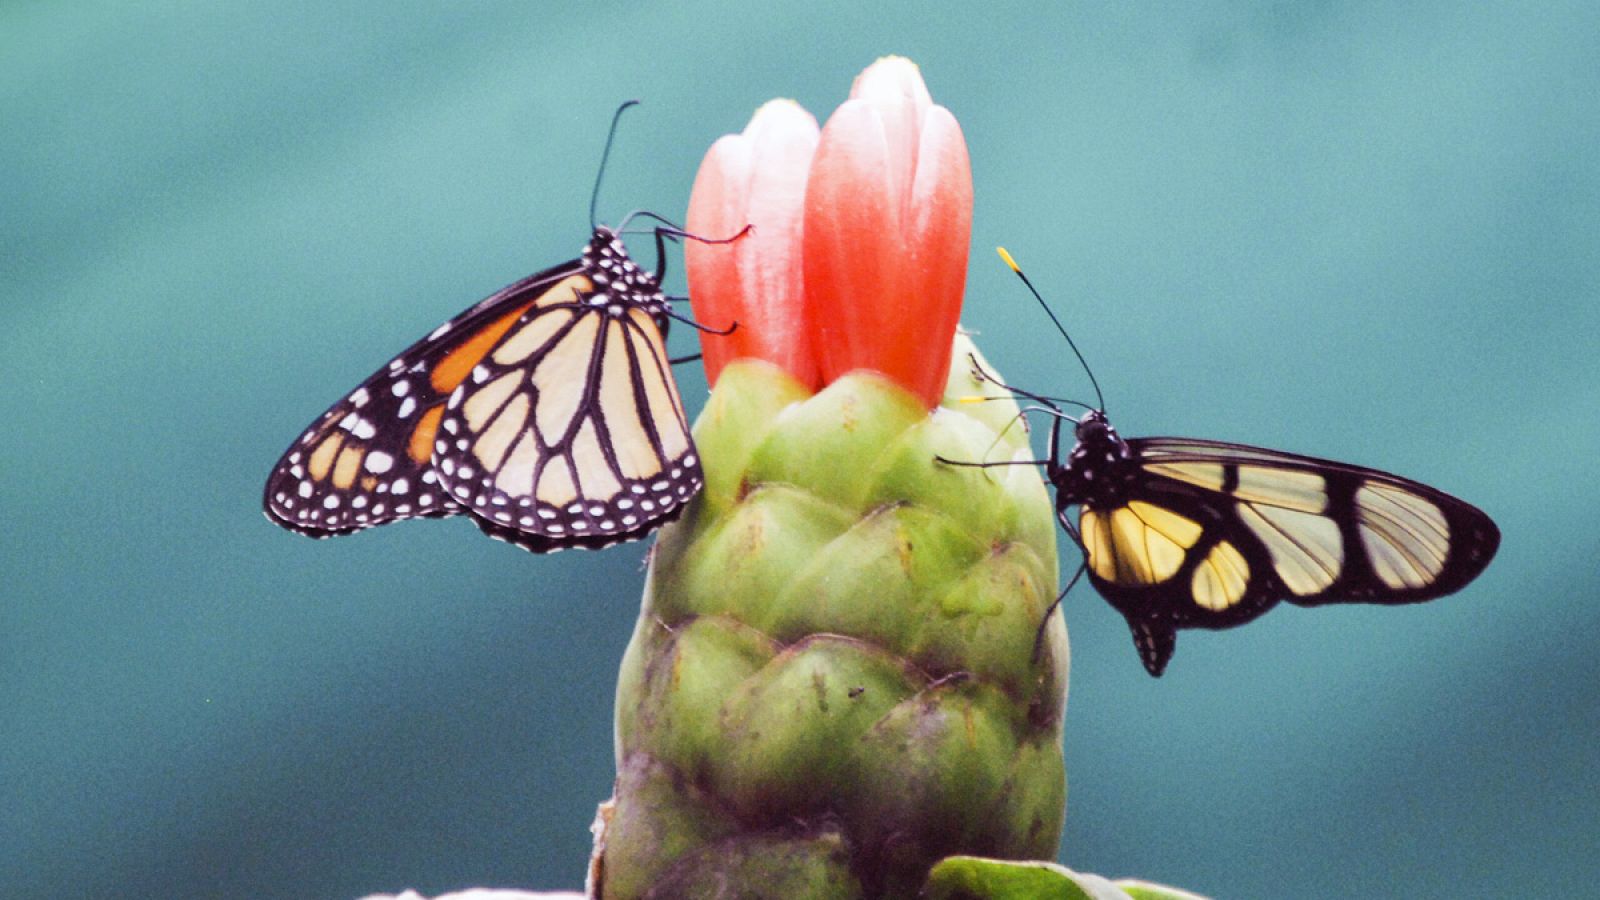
547, 412
1179, 533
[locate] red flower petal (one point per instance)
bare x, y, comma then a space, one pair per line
888, 223
756, 178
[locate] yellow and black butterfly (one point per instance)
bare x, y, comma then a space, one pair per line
1179, 533
547, 412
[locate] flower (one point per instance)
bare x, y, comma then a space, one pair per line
836, 680
858, 257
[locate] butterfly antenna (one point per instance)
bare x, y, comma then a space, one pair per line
1051, 313
594, 197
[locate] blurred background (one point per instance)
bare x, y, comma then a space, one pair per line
1347, 229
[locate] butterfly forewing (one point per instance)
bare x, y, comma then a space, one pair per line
1203, 534
571, 432
1337, 532
366, 461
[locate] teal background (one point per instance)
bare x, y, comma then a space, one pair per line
1349, 229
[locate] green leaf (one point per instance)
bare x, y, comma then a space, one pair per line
1147, 890
975, 878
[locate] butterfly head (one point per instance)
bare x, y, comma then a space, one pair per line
618, 280
1093, 426
1099, 466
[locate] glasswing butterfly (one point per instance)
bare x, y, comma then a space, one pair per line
1179, 533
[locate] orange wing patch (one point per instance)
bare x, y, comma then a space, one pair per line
420, 447
455, 366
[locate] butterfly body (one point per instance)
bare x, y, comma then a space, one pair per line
1181, 533
546, 412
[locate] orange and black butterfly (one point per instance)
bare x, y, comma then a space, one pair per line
1179, 533
547, 413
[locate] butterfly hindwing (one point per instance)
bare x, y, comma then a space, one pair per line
571, 432
1184, 533
366, 461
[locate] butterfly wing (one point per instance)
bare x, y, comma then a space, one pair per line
571, 432
367, 460
1213, 534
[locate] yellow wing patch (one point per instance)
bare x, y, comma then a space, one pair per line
1283, 509
555, 483
561, 377
491, 446
1406, 537
1199, 474
1221, 578
1285, 488
1306, 550
516, 475
487, 400
636, 455
346, 466
1137, 544
665, 409
322, 458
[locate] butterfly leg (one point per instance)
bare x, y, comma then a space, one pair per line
661, 254
990, 465
1038, 637
697, 326
669, 230
684, 359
